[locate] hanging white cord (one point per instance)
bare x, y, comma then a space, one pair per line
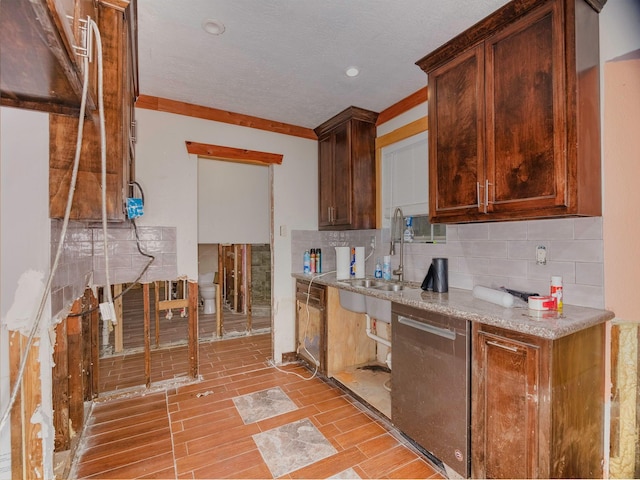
103, 157
63, 233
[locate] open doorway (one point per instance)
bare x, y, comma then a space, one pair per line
242, 275
234, 245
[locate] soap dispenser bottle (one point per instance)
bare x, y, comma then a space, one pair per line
378, 271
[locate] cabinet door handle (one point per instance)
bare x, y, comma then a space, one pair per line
486, 193
504, 347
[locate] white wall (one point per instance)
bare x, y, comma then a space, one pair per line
169, 176
24, 253
619, 28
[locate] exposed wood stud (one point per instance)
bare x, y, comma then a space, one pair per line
117, 303
156, 289
219, 291
193, 329
76, 389
147, 335
17, 451
60, 389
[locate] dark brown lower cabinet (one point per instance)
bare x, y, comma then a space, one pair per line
537, 404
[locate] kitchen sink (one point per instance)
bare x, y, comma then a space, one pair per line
365, 282
376, 284
390, 287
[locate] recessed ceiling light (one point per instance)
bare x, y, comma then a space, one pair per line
213, 27
352, 72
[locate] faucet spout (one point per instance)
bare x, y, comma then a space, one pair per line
396, 225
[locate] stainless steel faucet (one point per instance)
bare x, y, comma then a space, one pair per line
397, 223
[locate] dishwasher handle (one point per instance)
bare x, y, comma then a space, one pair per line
425, 327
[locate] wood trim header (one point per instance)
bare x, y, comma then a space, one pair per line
403, 105
238, 155
207, 113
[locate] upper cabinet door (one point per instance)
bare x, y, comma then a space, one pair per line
526, 120
514, 115
342, 178
456, 140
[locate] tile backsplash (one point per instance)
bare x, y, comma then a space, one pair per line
82, 261
489, 254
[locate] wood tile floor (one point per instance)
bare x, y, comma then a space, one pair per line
125, 370
195, 430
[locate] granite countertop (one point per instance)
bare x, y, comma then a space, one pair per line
461, 303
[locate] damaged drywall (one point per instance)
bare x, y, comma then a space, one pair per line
623, 464
20, 320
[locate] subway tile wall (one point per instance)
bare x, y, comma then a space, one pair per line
82, 261
490, 254
74, 267
126, 262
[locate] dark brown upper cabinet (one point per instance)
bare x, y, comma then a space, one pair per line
118, 26
39, 65
346, 171
514, 115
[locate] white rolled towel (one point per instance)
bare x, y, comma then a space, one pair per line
498, 297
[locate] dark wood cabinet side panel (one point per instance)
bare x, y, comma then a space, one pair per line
363, 193
578, 404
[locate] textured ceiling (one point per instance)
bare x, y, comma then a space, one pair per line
284, 60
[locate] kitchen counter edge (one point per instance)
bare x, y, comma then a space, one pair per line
461, 303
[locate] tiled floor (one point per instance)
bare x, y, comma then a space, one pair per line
244, 419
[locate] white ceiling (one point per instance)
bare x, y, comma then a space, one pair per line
285, 60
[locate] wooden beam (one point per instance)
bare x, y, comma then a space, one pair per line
207, 113
407, 103
237, 155
193, 329
147, 334
177, 303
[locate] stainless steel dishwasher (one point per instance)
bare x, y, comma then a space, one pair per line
430, 383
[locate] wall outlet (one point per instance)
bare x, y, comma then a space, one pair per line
372, 242
541, 255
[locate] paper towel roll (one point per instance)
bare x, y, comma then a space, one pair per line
343, 260
359, 262
494, 296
